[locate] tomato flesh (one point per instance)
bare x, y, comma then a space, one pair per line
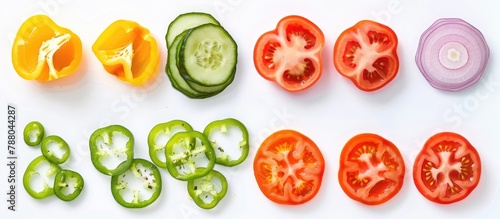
289, 168
290, 55
300, 36
371, 169
299, 73
447, 169
367, 54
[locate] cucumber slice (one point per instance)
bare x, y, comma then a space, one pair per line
187, 21
208, 55
173, 74
202, 89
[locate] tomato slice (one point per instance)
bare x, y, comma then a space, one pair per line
366, 54
371, 169
290, 55
289, 168
447, 169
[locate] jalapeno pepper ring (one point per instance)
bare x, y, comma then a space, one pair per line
33, 133
225, 127
33, 171
185, 151
113, 140
145, 176
209, 190
50, 154
68, 185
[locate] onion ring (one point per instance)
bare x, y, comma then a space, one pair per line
452, 54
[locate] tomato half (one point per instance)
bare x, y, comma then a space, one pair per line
366, 54
290, 55
289, 168
371, 169
447, 169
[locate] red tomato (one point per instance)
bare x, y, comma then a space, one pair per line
371, 169
447, 168
290, 55
289, 168
366, 54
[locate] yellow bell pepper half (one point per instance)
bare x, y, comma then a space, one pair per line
44, 51
128, 51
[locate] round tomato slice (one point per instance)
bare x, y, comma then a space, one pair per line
290, 55
447, 168
366, 54
371, 169
289, 168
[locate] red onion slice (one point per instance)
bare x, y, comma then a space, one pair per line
452, 54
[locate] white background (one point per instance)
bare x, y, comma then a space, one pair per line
407, 111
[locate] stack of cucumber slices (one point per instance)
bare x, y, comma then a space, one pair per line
202, 56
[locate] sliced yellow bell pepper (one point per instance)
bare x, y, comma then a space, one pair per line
45, 51
128, 51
